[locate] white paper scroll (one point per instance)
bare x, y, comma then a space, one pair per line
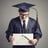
22, 39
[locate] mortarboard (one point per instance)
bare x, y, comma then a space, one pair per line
23, 6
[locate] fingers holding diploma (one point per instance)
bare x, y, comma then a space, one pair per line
11, 38
33, 41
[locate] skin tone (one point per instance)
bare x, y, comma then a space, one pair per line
24, 15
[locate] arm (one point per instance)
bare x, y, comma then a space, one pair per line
37, 34
10, 30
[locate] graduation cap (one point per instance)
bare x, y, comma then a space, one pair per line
23, 6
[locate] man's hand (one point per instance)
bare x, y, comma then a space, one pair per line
11, 38
33, 42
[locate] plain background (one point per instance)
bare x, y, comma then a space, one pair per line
7, 12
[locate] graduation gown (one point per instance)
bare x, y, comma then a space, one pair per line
15, 26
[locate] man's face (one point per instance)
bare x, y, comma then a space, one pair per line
24, 15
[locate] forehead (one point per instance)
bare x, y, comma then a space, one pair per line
24, 12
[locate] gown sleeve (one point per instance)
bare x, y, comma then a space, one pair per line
37, 33
10, 30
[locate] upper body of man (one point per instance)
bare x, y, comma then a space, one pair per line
16, 25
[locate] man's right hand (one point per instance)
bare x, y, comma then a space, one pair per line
11, 38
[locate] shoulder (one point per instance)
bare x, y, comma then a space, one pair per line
14, 19
32, 19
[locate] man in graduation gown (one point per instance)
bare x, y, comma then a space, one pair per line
24, 24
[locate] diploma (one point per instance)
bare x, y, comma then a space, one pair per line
22, 39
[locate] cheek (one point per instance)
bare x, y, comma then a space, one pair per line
22, 17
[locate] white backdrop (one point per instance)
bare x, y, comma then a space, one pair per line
7, 13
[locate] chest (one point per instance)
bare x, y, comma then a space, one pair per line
18, 27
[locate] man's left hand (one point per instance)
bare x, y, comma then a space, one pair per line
33, 42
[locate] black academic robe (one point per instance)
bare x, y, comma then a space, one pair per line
16, 27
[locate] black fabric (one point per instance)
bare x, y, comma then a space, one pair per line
30, 46
23, 6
